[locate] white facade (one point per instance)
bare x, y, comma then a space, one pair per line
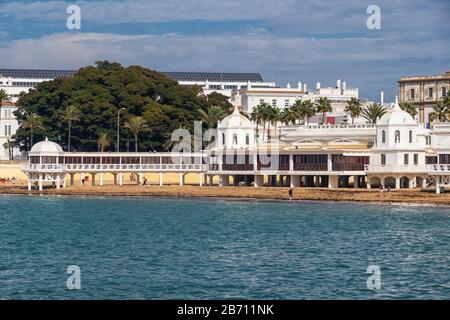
236, 132
223, 83
14, 82
283, 98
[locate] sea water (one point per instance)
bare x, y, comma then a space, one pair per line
153, 248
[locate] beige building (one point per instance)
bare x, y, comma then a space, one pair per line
424, 92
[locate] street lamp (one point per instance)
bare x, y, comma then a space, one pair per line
118, 130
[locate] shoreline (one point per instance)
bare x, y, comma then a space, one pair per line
415, 197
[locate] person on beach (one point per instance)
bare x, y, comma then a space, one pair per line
291, 193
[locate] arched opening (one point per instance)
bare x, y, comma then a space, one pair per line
223, 138
389, 182
419, 182
383, 136
404, 182
410, 136
235, 139
375, 182
247, 139
397, 136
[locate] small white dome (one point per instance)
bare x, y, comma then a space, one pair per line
396, 116
235, 120
46, 147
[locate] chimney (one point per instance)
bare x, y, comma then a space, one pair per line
305, 87
382, 97
344, 85
338, 83
318, 85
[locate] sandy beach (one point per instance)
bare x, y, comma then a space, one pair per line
267, 193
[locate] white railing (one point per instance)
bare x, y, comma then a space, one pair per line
395, 168
115, 167
436, 168
44, 167
327, 127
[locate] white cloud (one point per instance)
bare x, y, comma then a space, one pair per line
368, 62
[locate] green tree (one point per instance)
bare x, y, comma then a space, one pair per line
136, 125
9, 144
212, 116
32, 123
99, 92
323, 106
373, 112
354, 108
410, 108
70, 115
103, 141
440, 112
4, 97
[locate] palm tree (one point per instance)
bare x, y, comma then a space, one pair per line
9, 144
263, 110
212, 116
354, 108
70, 115
136, 125
373, 112
308, 110
4, 97
447, 99
33, 122
275, 116
103, 141
323, 106
440, 112
410, 108
255, 116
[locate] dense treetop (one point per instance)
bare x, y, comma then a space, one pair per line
99, 92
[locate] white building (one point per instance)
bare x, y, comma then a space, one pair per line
247, 99
14, 82
223, 83
397, 152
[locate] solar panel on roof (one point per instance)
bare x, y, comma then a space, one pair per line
214, 76
178, 76
34, 73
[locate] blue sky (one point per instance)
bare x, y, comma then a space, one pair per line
284, 40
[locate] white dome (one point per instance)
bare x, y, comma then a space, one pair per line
235, 120
46, 147
397, 116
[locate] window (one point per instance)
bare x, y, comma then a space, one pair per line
428, 141
416, 158
247, 139
235, 140
406, 159
397, 136
8, 130
383, 136
286, 103
261, 101
383, 159
223, 138
274, 103
410, 136
444, 91
430, 92
412, 93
